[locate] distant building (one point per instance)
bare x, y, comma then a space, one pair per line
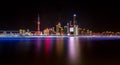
61, 31
65, 29
22, 31
71, 29
75, 29
68, 28
46, 31
75, 25
58, 28
53, 29
4, 32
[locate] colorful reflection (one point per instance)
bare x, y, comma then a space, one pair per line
78, 50
37, 46
73, 50
51, 43
47, 46
59, 46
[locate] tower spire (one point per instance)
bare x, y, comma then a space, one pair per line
74, 19
75, 25
38, 22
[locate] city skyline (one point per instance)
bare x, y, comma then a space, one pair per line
71, 28
97, 17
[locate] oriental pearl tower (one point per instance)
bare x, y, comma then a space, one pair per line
38, 24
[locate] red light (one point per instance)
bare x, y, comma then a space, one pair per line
71, 25
47, 46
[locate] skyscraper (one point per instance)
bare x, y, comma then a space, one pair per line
71, 27
74, 19
58, 28
75, 25
65, 30
68, 28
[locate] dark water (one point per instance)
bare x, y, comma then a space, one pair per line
59, 51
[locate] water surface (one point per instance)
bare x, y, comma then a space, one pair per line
59, 51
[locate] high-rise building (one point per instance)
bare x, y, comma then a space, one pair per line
74, 19
71, 28
22, 31
75, 25
71, 23
58, 28
65, 30
75, 29
68, 28
46, 31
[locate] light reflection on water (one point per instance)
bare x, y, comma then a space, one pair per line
68, 47
59, 46
74, 49
54, 51
37, 46
47, 46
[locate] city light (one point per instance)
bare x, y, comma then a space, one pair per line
70, 29
74, 15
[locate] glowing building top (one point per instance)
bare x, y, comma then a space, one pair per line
74, 19
38, 22
74, 15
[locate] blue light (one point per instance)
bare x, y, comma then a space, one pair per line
64, 37
99, 38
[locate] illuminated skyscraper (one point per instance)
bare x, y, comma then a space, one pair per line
68, 28
74, 19
71, 27
76, 30
58, 28
46, 31
75, 25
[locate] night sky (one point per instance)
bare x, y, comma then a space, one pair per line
93, 15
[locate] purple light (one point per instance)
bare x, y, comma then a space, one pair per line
38, 45
72, 50
53, 37
74, 15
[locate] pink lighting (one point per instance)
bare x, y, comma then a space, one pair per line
73, 52
47, 46
37, 46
